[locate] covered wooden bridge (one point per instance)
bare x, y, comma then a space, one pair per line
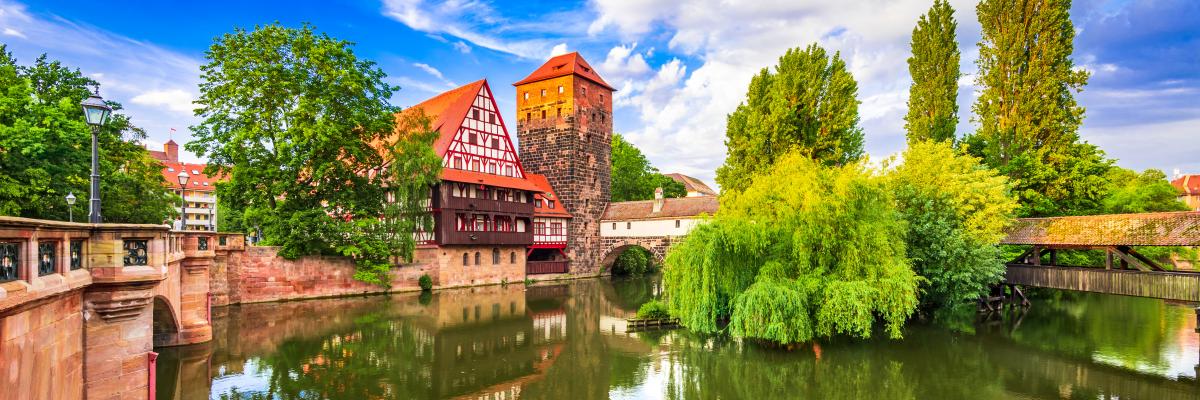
1126, 271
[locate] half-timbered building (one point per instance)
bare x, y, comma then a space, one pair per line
550, 221
487, 210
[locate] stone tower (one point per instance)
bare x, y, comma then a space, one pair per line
564, 123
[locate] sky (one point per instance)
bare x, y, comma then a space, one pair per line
679, 67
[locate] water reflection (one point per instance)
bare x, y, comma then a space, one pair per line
568, 341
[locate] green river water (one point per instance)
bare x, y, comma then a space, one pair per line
567, 341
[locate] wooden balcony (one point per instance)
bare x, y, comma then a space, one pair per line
487, 206
546, 267
452, 237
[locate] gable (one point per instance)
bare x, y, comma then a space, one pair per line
480, 142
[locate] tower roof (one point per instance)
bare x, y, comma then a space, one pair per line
562, 65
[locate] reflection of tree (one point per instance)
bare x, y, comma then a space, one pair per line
1131, 332
630, 293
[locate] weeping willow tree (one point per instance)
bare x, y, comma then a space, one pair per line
804, 251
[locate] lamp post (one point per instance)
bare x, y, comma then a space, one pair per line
71, 206
97, 113
183, 180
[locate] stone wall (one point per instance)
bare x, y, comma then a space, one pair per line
41, 350
258, 274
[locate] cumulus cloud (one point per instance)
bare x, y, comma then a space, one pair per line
156, 85
559, 49
719, 46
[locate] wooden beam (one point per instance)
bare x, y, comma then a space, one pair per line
1037, 255
1127, 260
1144, 259
1024, 257
1108, 258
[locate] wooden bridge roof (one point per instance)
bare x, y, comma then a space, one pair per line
1146, 229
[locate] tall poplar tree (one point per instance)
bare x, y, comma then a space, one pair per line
1027, 114
808, 104
932, 98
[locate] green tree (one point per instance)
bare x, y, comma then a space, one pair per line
290, 116
805, 251
633, 261
956, 210
1027, 114
1131, 192
933, 96
45, 150
633, 178
807, 105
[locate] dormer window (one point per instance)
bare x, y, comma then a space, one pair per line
551, 203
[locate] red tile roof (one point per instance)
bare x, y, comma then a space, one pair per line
547, 192
197, 180
692, 184
447, 111
1187, 184
1145, 229
563, 65
684, 207
464, 176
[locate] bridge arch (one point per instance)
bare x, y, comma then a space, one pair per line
614, 246
165, 322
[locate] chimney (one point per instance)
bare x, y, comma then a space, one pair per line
172, 151
1176, 174
658, 200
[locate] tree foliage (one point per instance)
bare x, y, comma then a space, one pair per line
291, 117
633, 178
804, 251
45, 150
933, 96
1027, 113
956, 210
634, 261
807, 105
1131, 192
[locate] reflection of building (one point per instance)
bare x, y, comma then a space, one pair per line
1189, 189
694, 187
200, 195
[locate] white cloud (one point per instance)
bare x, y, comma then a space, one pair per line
683, 107
14, 32
431, 70
470, 20
558, 49
155, 84
176, 100
462, 47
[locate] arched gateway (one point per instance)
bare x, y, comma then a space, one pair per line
654, 225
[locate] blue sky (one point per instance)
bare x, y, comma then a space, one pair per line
680, 68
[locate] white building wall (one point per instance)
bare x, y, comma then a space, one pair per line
648, 228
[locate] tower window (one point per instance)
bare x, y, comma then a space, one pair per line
560, 89
528, 116
585, 90
543, 92
543, 114
526, 95
560, 112
601, 99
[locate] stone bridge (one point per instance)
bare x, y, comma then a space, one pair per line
612, 247
83, 305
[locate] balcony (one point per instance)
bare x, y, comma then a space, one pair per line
488, 206
452, 237
546, 267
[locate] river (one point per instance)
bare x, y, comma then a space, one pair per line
567, 341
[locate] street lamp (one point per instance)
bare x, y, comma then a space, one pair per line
71, 206
97, 114
183, 180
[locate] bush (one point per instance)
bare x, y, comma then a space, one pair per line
653, 309
634, 261
425, 282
